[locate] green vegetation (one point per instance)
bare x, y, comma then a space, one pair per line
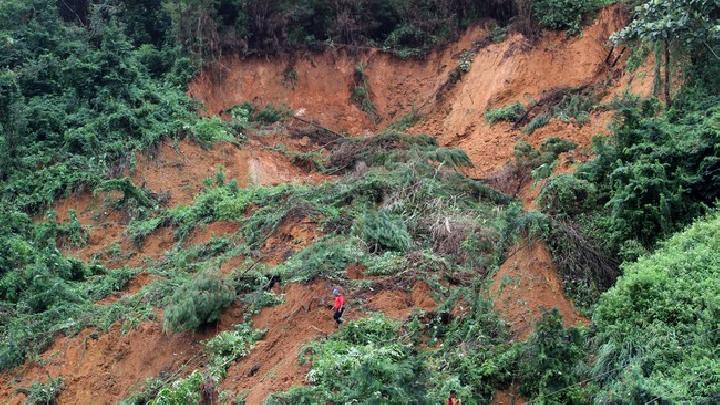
197, 303
73, 112
360, 93
687, 24
511, 113
405, 28
658, 326
44, 393
537, 123
364, 361
566, 195
564, 14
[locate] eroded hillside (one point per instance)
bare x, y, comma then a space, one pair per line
357, 181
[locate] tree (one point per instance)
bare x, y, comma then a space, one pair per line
687, 23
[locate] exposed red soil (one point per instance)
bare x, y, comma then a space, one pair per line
273, 364
324, 83
102, 368
103, 223
526, 284
355, 271
136, 284
231, 264
508, 397
180, 168
292, 235
567, 163
400, 304
203, 234
516, 70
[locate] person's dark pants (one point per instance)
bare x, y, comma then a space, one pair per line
338, 315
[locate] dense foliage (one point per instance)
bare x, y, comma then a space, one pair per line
406, 27
81, 106
564, 14
658, 326
197, 303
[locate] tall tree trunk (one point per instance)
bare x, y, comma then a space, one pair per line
668, 100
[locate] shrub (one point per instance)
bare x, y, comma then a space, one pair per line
229, 346
554, 146
382, 231
73, 231
657, 328
270, 114
207, 131
537, 123
657, 173
511, 113
574, 106
563, 14
549, 361
328, 257
139, 230
183, 391
197, 302
565, 194
44, 393
364, 362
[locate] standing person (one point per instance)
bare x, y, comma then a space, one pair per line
339, 306
453, 399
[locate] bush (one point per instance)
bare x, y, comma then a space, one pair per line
537, 123
139, 230
657, 328
207, 131
382, 231
230, 345
550, 360
511, 113
563, 14
327, 257
44, 393
183, 391
658, 172
565, 194
197, 302
270, 114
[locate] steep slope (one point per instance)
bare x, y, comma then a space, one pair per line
321, 89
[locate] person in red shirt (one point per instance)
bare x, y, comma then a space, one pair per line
339, 306
453, 399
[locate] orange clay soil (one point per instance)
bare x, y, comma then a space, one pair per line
401, 304
525, 284
507, 397
204, 233
291, 236
181, 168
136, 284
514, 70
324, 83
101, 368
273, 364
